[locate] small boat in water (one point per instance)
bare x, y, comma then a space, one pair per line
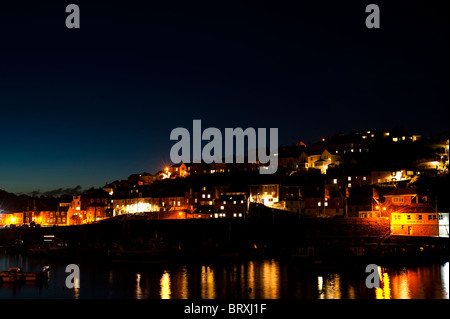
16, 275
50, 246
155, 251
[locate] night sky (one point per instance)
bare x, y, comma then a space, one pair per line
91, 105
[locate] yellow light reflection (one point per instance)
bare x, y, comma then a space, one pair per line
320, 287
251, 278
384, 292
208, 289
165, 285
184, 283
271, 280
138, 286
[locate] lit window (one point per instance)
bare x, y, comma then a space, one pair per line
216, 215
209, 195
203, 196
335, 181
234, 202
234, 215
349, 185
349, 178
319, 204
242, 202
394, 139
326, 203
364, 178
240, 215
222, 207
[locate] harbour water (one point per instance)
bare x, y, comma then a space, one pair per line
249, 279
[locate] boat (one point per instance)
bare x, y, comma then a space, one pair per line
50, 246
154, 252
16, 275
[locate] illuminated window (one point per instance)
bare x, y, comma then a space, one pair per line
364, 178
326, 203
242, 202
240, 215
222, 207
335, 181
349, 178
349, 185
234, 215
319, 204
397, 199
203, 196
234, 202
395, 139
209, 195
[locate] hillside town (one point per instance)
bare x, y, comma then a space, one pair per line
388, 175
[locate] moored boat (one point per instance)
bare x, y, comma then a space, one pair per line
16, 275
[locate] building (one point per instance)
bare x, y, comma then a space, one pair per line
401, 197
410, 213
415, 220
231, 205
320, 161
267, 195
319, 205
443, 224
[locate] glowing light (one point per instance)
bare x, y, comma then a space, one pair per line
165, 286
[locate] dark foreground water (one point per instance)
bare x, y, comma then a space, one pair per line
251, 279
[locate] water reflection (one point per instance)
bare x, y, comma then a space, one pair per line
208, 289
445, 279
253, 279
165, 286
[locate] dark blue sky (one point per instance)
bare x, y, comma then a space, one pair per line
88, 106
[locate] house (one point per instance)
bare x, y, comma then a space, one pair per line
177, 170
411, 213
267, 194
401, 196
321, 203
415, 220
230, 205
319, 161
443, 224
292, 198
